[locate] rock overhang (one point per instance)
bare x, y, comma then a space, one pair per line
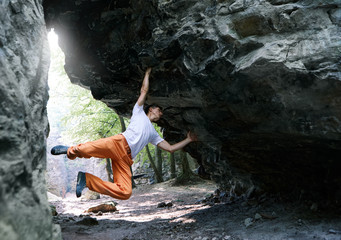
258, 81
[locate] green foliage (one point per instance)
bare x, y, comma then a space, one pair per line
88, 119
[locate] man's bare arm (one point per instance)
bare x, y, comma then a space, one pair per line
164, 145
144, 88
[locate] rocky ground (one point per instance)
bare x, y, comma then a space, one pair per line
163, 211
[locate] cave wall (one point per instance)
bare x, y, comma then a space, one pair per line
24, 63
258, 81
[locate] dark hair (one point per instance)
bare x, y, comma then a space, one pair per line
146, 108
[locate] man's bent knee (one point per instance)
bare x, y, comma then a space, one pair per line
126, 194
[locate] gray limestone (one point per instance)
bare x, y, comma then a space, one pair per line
24, 62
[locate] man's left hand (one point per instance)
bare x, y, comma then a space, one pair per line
192, 136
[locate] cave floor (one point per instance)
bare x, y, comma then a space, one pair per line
141, 218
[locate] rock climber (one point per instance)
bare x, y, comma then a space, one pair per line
122, 149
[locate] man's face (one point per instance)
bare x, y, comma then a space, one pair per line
157, 113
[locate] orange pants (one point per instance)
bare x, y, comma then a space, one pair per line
116, 148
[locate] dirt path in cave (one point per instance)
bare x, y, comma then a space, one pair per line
141, 218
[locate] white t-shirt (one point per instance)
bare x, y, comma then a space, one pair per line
140, 131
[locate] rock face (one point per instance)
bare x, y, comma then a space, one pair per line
24, 62
258, 81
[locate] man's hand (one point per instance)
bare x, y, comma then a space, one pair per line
192, 136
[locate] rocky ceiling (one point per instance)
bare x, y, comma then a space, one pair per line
258, 80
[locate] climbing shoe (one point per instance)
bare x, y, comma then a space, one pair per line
59, 149
81, 183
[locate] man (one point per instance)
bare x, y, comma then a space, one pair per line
122, 149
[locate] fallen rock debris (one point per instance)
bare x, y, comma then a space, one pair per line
332, 231
163, 204
103, 208
88, 221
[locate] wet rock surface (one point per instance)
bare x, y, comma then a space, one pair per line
24, 63
258, 81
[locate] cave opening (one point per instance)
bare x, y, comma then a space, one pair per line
63, 96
